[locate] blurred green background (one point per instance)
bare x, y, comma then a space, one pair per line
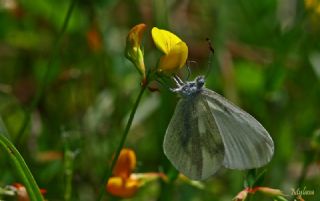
267, 60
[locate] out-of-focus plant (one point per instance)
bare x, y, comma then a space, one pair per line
45, 78
313, 5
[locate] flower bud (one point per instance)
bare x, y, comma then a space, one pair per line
133, 51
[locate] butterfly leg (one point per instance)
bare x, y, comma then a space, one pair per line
178, 81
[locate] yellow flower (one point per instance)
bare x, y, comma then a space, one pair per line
124, 183
174, 49
133, 51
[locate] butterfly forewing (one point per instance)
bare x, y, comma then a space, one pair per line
247, 143
192, 141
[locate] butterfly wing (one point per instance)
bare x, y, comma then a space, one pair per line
247, 143
192, 141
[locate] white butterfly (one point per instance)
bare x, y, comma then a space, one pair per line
207, 132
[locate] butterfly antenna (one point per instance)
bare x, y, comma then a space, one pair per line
189, 69
210, 56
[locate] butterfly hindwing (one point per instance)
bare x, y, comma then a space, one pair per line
192, 141
247, 143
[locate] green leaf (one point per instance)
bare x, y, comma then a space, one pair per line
22, 169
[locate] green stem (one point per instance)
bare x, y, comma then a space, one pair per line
161, 13
22, 168
309, 158
123, 139
45, 77
68, 171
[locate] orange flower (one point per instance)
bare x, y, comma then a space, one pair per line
94, 39
126, 164
120, 187
133, 51
124, 183
121, 184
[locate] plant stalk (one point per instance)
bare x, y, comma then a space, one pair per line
124, 136
44, 81
68, 172
22, 169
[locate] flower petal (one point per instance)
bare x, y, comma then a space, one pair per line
164, 40
120, 187
149, 176
270, 191
135, 35
125, 164
241, 195
133, 51
175, 59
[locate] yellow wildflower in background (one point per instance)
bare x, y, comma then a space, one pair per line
174, 49
313, 5
313, 10
133, 50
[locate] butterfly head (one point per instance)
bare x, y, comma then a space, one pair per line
191, 88
199, 81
